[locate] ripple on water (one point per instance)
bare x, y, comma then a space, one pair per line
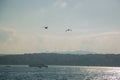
59, 73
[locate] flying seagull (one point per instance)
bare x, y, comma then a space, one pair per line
68, 30
46, 27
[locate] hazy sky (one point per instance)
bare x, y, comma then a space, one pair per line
95, 25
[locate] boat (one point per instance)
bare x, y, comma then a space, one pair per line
7, 66
38, 65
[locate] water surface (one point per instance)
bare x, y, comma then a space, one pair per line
59, 73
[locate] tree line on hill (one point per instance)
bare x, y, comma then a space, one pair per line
62, 59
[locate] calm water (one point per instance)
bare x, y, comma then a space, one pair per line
59, 73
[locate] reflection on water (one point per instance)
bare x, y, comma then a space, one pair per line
59, 73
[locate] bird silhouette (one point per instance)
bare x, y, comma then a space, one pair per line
46, 27
68, 30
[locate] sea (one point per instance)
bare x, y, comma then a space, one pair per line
53, 72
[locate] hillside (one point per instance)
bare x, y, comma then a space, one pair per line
62, 59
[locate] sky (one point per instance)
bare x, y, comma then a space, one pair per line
95, 26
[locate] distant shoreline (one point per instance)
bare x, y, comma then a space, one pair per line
111, 60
